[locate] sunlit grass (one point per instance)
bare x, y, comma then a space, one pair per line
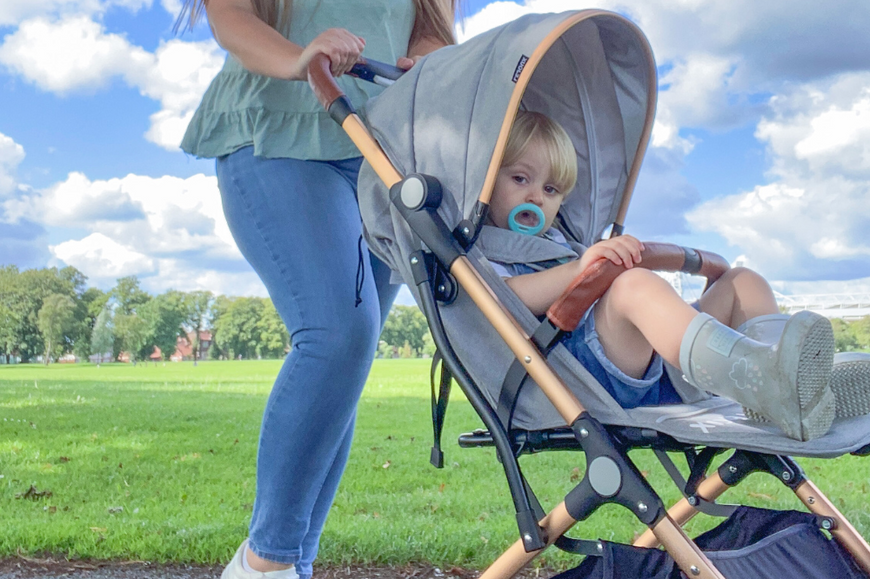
158, 463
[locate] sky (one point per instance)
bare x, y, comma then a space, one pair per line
760, 150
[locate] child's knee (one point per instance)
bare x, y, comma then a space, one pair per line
628, 286
746, 280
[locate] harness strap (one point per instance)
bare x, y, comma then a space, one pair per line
439, 407
545, 337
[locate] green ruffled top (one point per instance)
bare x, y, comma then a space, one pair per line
282, 118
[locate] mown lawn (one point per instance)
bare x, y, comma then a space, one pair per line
157, 463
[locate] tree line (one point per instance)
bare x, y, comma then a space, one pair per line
48, 313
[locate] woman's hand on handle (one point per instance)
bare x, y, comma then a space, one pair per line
342, 47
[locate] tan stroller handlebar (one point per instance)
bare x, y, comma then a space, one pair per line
567, 311
322, 82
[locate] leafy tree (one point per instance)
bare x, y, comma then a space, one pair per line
274, 338
405, 325
7, 332
163, 316
199, 307
103, 335
844, 340
429, 347
90, 304
237, 329
128, 295
55, 318
384, 350
132, 334
22, 294
861, 332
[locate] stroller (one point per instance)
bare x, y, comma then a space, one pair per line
433, 143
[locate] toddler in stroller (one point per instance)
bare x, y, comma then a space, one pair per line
623, 339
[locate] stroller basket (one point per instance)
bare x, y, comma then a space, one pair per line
751, 544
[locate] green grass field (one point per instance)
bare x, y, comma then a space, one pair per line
157, 463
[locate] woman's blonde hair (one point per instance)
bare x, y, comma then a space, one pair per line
530, 127
434, 17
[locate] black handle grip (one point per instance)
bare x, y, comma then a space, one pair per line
368, 69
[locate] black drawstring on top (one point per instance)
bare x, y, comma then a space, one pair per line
360, 273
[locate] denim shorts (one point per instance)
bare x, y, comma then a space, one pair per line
653, 389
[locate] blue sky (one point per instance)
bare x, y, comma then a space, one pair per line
761, 149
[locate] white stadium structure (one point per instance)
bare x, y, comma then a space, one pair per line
848, 306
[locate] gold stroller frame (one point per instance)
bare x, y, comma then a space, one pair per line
664, 526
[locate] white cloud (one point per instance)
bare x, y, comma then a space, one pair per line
76, 54
103, 257
813, 219
11, 155
167, 228
171, 6
154, 215
178, 78
72, 54
13, 12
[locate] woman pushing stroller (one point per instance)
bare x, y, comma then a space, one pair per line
288, 182
733, 342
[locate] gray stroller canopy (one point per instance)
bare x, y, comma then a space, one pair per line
449, 117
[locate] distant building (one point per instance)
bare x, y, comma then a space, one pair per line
184, 347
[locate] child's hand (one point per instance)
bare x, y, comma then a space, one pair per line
623, 250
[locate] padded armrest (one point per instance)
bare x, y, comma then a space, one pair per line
567, 311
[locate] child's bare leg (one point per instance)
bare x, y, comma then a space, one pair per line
786, 382
640, 313
739, 295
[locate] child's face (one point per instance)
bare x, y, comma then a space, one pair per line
527, 180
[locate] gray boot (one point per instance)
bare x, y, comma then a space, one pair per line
787, 381
850, 378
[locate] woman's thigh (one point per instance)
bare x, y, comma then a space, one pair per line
297, 223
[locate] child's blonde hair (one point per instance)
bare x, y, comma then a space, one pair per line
530, 126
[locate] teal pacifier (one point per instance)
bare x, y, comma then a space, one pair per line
532, 216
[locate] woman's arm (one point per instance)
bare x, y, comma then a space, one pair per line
263, 50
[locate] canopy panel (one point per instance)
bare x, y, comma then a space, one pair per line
450, 115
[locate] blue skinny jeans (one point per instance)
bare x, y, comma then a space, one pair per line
298, 225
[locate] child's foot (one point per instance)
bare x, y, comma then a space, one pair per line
787, 381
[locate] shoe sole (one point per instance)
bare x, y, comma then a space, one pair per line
850, 383
812, 358
806, 357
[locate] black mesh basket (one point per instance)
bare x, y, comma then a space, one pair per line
751, 544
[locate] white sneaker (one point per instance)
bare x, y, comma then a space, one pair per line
236, 569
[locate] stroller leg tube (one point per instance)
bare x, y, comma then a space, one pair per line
682, 512
556, 523
843, 530
685, 552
